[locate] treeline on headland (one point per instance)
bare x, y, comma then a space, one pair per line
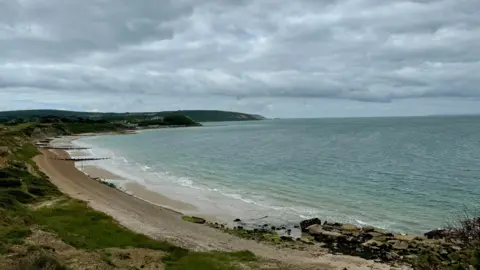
86, 122
196, 115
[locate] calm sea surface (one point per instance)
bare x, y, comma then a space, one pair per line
402, 174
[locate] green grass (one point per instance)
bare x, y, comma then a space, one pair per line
194, 219
82, 227
13, 235
210, 261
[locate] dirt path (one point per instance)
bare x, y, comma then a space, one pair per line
161, 223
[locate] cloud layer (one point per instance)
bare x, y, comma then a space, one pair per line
248, 52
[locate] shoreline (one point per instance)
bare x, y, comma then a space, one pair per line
128, 186
162, 223
157, 198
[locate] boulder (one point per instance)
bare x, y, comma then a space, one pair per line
436, 234
329, 237
368, 229
373, 243
314, 229
349, 227
400, 245
405, 237
309, 222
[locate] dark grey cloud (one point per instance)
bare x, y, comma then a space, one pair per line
250, 54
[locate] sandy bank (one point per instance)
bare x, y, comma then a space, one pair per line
161, 223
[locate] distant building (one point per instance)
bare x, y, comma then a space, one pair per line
160, 118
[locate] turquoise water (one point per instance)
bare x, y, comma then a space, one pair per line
402, 174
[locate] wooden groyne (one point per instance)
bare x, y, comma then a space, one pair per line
64, 148
80, 159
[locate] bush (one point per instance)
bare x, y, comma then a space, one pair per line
10, 182
39, 261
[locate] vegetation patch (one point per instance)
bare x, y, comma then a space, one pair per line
36, 261
82, 227
194, 219
12, 236
211, 261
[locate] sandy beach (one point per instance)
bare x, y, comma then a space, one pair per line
161, 223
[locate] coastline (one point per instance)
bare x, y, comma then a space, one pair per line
162, 223
122, 183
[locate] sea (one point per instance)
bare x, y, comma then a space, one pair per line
404, 174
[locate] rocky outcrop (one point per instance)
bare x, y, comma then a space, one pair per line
377, 244
309, 222
436, 234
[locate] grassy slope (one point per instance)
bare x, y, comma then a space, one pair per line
74, 222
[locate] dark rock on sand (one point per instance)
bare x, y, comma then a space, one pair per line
437, 234
286, 238
237, 220
309, 222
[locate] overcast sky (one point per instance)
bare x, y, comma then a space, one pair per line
310, 58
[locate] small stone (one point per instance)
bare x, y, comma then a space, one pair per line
296, 226
289, 231
237, 220
239, 228
373, 243
273, 228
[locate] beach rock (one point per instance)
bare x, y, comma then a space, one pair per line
405, 237
348, 227
436, 234
368, 229
400, 245
329, 237
237, 220
315, 229
392, 256
309, 222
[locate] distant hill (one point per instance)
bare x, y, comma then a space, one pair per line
197, 115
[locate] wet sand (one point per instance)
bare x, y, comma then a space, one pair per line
96, 172
162, 223
79, 154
